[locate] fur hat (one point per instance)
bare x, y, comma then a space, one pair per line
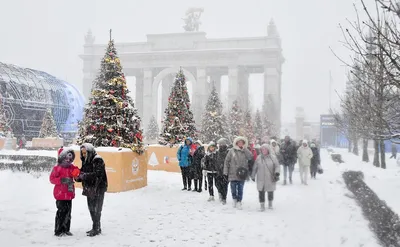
223, 142
198, 142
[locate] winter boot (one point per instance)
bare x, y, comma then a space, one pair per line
290, 181
190, 189
184, 188
94, 233
199, 190
235, 203
262, 207
284, 182
270, 205
211, 199
223, 202
239, 205
220, 197
69, 234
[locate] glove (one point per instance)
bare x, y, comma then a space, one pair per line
75, 173
81, 176
277, 176
204, 173
66, 180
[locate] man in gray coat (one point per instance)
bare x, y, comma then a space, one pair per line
235, 167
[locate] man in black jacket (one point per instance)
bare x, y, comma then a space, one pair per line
94, 182
289, 155
221, 181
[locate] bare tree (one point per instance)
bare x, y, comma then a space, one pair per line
373, 97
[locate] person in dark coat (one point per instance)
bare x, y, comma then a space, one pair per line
197, 170
210, 169
394, 151
94, 182
315, 160
221, 181
251, 162
289, 155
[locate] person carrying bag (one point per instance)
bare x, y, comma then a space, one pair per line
267, 171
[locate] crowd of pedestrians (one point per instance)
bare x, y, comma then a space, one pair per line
224, 165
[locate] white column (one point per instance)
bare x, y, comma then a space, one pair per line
88, 78
233, 85
149, 108
272, 94
243, 84
216, 78
167, 83
139, 93
199, 94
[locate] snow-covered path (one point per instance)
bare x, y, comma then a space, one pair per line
161, 215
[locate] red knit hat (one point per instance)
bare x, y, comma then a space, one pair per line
60, 150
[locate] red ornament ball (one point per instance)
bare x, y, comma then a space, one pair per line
110, 130
112, 92
94, 102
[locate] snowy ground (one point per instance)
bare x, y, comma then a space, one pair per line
161, 215
384, 182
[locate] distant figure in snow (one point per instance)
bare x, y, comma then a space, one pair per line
210, 168
185, 161
289, 156
221, 180
254, 152
394, 151
62, 177
22, 142
198, 155
315, 160
304, 155
267, 171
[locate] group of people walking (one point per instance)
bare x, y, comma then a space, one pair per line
93, 177
223, 165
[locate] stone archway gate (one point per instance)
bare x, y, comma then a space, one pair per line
200, 57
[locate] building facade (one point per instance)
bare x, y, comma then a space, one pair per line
202, 59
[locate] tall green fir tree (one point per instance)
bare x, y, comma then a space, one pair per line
213, 126
152, 130
110, 117
49, 127
5, 128
235, 121
248, 130
258, 126
178, 122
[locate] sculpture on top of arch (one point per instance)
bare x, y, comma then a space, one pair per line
192, 19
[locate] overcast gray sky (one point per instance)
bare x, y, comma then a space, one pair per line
48, 35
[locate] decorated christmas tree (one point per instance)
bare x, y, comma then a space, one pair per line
235, 120
178, 122
258, 126
4, 126
49, 128
152, 130
213, 120
248, 127
110, 117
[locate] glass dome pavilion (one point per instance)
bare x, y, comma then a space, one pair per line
27, 93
